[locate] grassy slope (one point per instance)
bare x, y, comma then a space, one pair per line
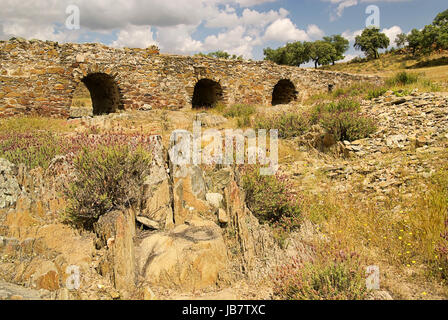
434, 67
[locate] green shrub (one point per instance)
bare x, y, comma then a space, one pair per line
432, 86
242, 112
106, 178
270, 199
239, 110
331, 277
403, 78
344, 105
288, 124
220, 107
343, 120
244, 122
353, 91
376, 93
339, 92
348, 126
402, 92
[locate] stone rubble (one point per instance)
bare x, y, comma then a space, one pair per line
412, 132
409, 122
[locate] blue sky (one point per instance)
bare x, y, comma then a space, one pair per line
242, 27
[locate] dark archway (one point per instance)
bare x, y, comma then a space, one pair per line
207, 93
284, 92
104, 93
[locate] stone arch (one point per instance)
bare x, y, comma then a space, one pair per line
104, 92
284, 92
207, 93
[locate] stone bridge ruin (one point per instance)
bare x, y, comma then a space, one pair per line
40, 78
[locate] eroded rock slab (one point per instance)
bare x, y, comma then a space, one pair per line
190, 257
156, 210
9, 291
189, 194
9, 186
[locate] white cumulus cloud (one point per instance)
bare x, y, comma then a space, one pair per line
135, 37
392, 33
236, 26
285, 30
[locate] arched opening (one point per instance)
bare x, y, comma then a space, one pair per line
207, 94
104, 93
284, 92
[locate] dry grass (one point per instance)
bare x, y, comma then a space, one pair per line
85, 102
27, 124
401, 235
433, 67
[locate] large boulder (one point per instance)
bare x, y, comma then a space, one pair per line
190, 257
9, 186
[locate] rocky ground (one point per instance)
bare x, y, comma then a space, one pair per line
388, 170
412, 132
409, 146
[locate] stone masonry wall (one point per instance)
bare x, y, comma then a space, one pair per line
41, 77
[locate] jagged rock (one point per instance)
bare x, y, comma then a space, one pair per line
146, 107
319, 139
148, 222
214, 199
9, 186
396, 141
119, 262
399, 101
157, 203
157, 196
328, 140
217, 180
418, 142
222, 216
189, 190
80, 58
9, 291
47, 276
191, 257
